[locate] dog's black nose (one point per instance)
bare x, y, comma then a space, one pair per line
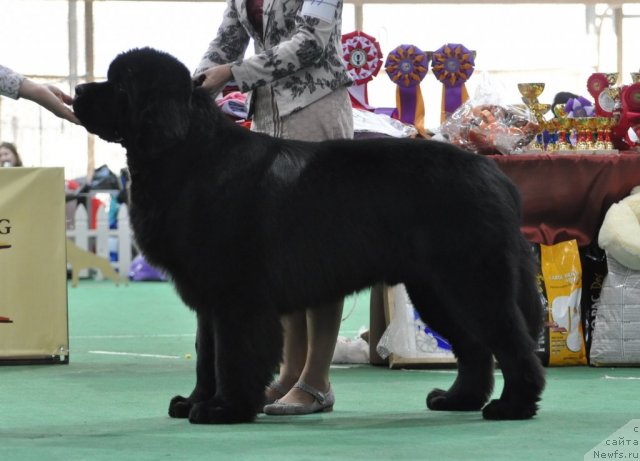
79, 89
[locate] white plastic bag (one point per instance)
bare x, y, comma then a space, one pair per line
408, 336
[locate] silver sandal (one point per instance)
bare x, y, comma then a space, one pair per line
277, 387
323, 402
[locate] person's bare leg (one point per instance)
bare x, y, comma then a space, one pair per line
323, 325
294, 353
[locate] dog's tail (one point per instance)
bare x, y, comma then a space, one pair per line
528, 294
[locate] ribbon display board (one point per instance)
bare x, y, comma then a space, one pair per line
33, 271
407, 65
452, 64
363, 58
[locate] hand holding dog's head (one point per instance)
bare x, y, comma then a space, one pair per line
144, 104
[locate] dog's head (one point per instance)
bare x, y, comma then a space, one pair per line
143, 104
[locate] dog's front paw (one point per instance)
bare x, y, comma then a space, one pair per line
499, 410
441, 400
179, 407
213, 412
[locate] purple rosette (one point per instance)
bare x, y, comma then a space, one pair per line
453, 64
407, 65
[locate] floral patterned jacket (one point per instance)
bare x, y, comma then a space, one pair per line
299, 54
10, 82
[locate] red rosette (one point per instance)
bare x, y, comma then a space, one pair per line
362, 56
596, 84
631, 98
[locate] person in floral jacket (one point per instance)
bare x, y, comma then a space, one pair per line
298, 84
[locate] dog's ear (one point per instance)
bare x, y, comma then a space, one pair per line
163, 116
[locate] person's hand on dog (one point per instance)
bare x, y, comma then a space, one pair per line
215, 78
50, 97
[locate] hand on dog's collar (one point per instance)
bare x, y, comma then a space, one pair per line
198, 81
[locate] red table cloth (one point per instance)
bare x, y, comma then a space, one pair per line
565, 196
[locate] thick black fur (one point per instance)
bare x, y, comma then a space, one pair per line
251, 227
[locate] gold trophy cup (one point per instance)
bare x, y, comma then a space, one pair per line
530, 92
612, 78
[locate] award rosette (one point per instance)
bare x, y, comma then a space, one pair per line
452, 64
578, 107
596, 84
630, 117
363, 58
407, 65
631, 98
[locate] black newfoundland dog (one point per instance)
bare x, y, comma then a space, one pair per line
250, 228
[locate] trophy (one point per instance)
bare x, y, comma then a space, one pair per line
539, 110
558, 111
602, 124
603, 138
564, 126
608, 138
609, 99
592, 135
530, 93
552, 128
583, 127
612, 78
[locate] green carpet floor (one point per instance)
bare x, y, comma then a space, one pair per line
129, 356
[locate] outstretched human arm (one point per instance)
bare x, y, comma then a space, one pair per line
50, 97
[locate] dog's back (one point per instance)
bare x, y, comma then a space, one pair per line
392, 209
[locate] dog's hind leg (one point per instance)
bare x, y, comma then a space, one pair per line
488, 309
474, 383
248, 344
522, 371
514, 348
205, 370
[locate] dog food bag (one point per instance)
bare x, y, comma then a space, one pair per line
594, 272
543, 340
616, 330
562, 277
